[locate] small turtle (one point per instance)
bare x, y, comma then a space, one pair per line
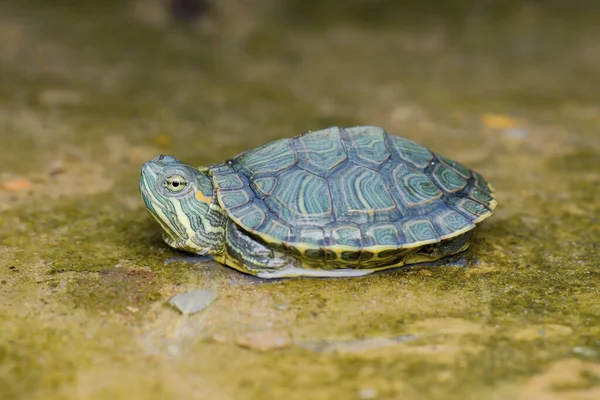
329, 203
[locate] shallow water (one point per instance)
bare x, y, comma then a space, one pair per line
88, 93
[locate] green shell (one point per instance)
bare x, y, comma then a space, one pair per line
350, 190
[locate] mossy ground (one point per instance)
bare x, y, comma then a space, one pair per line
89, 92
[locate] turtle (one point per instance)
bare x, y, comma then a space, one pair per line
336, 202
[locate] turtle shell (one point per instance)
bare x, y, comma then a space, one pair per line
353, 189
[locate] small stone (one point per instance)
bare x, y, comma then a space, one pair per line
56, 167
173, 350
586, 352
193, 301
132, 310
515, 133
264, 340
219, 338
367, 394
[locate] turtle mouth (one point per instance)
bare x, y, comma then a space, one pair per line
147, 178
148, 175
151, 206
158, 207
149, 198
151, 167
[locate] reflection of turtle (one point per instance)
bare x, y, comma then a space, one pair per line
335, 202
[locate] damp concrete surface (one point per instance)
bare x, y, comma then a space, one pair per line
89, 92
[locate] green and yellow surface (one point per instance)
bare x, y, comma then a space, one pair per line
90, 91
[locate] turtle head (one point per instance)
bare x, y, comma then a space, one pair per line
182, 199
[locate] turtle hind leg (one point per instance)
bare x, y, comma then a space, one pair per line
437, 251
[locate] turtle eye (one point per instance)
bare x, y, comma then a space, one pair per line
175, 183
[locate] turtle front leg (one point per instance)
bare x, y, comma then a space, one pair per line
248, 255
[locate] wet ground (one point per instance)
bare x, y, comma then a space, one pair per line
88, 93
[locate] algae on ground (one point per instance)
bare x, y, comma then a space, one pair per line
98, 88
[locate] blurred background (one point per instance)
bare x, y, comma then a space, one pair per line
89, 90
210, 77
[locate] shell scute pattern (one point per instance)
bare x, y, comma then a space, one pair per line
351, 193
223, 168
234, 198
413, 188
270, 158
481, 183
320, 151
479, 195
419, 231
277, 229
361, 195
447, 222
367, 147
448, 179
344, 234
251, 215
384, 234
229, 181
311, 235
408, 151
469, 208
265, 185
302, 197
456, 166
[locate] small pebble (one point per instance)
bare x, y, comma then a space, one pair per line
515, 133
586, 352
56, 167
264, 340
173, 350
193, 301
367, 394
219, 338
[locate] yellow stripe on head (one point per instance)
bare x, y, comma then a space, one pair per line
201, 197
